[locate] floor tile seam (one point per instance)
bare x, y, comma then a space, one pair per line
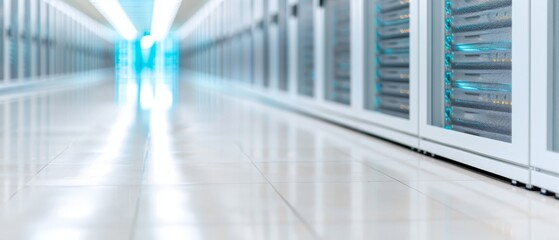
481, 192
138, 198
485, 178
365, 163
212, 183
329, 161
309, 227
465, 213
37, 173
80, 186
223, 224
418, 220
333, 181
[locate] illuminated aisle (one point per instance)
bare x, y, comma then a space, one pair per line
75, 165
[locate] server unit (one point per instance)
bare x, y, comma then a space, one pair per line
283, 46
545, 95
306, 72
273, 43
471, 81
388, 96
388, 78
2, 41
12, 30
247, 49
337, 52
260, 43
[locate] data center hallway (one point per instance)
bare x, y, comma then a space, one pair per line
218, 165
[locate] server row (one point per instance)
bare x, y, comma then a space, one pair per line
437, 76
48, 37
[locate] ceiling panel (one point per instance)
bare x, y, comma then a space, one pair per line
140, 11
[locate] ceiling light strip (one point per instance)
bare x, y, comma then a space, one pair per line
89, 23
190, 25
164, 13
115, 14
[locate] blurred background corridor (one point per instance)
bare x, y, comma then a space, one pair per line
278, 119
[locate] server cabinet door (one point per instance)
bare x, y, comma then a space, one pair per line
283, 67
306, 72
13, 40
470, 80
338, 52
260, 39
273, 44
25, 35
2, 41
545, 92
390, 83
51, 40
387, 87
35, 36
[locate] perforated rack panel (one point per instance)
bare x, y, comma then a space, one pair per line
306, 72
478, 65
338, 85
392, 29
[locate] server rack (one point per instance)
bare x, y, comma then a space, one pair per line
273, 41
283, 48
25, 36
2, 40
51, 42
35, 23
545, 95
306, 72
46, 39
13, 41
260, 39
471, 81
337, 52
291, 57
387, 70
247, 42
229, 38
388, 57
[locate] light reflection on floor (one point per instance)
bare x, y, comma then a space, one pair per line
76, 164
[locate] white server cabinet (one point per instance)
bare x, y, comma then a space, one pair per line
20, 35
52, 41
12, 40
277, 50
272, 49
291, 58
545, 95
305, 60
283, 45
25, 36
44, 26
218, 44
35, 36
386, 70
470, 82
2, 41
228, 38
337, 54
247, 42
260, 59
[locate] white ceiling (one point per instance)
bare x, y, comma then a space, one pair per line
139, 11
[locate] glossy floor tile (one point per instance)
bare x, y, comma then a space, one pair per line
77, 164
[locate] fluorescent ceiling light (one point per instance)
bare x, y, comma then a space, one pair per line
164, 12
146, 42
114, 13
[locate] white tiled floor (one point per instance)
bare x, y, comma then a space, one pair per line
75, 165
